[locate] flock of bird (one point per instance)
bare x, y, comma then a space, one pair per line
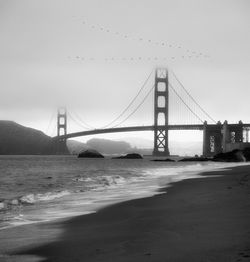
186, 53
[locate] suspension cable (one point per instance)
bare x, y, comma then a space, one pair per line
54, 130
50, 122
82, 122
132, 101
152, 88
48, 129
185, 103
77, 122
186, 91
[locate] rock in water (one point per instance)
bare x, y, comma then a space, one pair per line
129, 156
163, 160
90, 153
194, 159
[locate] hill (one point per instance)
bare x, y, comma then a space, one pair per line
16, 139
75, 147
106, 146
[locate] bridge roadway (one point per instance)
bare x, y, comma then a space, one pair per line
128, 129
135, 128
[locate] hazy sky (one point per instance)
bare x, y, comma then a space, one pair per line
93, 57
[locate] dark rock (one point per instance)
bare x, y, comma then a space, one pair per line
233, 156
246, 153
194, 159
90, 153
129, 156
163, 160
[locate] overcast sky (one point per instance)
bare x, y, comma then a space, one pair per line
93, 56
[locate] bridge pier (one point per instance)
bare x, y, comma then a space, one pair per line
212, 139
221, 138
161, 105
61, 143
232, 134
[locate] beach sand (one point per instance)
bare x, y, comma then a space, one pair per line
204, 219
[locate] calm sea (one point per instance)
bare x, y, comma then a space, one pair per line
43, 188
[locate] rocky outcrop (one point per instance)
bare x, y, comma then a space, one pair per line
233, 156
90, 153
163, 160
194, 159
129, 156
246, 153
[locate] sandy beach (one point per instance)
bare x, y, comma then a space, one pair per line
205, 219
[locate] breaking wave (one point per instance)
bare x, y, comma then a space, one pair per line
30, 199
103, 180
33, 198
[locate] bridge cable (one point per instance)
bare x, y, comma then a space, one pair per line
152, 88
83, 122
132, 101
190, 96
78, 122
49, 125
54, 130
185, 103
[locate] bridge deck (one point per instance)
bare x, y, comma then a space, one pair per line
135, 128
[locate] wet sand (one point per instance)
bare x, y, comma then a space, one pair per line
205, 219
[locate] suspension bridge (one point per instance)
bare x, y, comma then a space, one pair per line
217, 137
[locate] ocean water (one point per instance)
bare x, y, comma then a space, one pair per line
43, 188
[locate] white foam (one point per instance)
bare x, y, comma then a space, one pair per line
33, 198
2, 205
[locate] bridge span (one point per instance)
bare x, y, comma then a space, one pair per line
128, 129
217, 137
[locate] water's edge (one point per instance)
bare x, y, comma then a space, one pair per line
102, 183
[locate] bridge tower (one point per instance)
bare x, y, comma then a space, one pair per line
161, 106
61, 147
61, 121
